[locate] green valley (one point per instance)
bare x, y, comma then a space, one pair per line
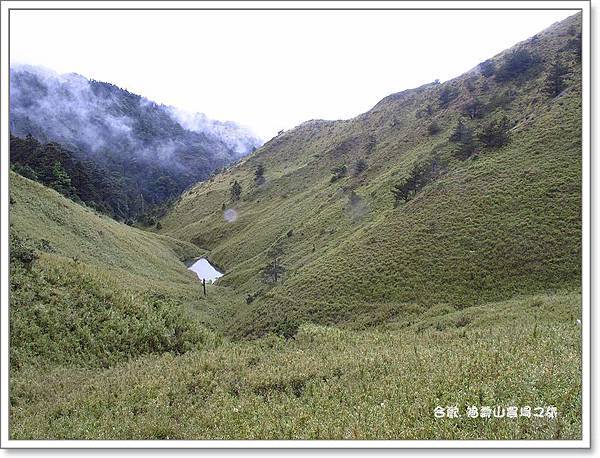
424, 254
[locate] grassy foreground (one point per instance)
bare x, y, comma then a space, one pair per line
330, 383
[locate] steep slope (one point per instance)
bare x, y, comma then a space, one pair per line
497, 215
111, 337
89, 291
144, 147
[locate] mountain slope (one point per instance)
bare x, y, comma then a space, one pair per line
465, 294
498, 216
107, 343
89, 291
143, 146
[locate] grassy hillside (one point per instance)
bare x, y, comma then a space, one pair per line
500, 221
99, 291
344, 313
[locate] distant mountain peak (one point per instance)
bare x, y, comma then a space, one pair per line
125, 133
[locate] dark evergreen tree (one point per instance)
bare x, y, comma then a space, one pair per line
487, 68
462, 133
338, 172
273, 271
494, 133
259, 174
433, 128
516, 64
463, 137
555, 83
360, 167
474, 108
574, 44
61, 181
447, 94
236, 191
419, 177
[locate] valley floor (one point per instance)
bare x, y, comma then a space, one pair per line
331, 383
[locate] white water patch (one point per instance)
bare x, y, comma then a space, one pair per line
205, 270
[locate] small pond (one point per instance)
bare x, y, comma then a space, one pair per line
205, 270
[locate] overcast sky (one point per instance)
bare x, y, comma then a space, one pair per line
269, 70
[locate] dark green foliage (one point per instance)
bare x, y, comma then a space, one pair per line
287, 328
424, 112
420, 175
447, 94
463, 137
494, 133
474, 108
236, 191
360, 166
251, 297
370, 144
574, 45
433, 128
461, 133
165, 187
155, 212
501, 99
273, 271
516, 64
487, 68
61, 181
24, 170
22, 251
158, 226
259, 174
462, 321
338, 172
555, 83
81, 181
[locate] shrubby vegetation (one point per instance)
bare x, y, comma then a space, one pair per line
322, 376
259, 175
433, 128
518, 63
447, 94
487, 68
338, 172
555, 81
236, 191
494, 133
360, 166
420, 175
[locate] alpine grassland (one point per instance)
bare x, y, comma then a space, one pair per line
423, 257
